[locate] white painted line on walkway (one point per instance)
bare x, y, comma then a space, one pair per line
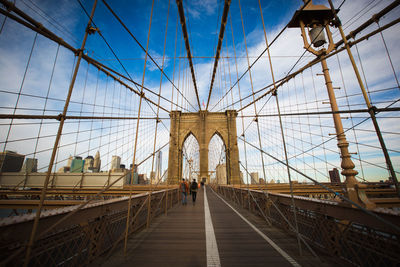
211, 242
266, 238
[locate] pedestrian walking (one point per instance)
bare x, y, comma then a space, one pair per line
184, 188
193, 190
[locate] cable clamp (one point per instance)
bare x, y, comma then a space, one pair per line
373, 109
91, 30
336, 22
9, 6
78, 51
352, 35
60, 117
375, 18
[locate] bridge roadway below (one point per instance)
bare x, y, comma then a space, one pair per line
184, 238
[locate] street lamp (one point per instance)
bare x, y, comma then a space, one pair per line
317, 19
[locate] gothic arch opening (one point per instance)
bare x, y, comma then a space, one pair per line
190, 159
217, 159
202, 126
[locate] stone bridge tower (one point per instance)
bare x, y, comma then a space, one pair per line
203, 125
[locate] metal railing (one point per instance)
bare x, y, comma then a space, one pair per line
346, 234
90, 232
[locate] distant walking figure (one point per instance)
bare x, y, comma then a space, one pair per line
184, 188
193, 189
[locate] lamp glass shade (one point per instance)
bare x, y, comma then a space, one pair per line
317, 36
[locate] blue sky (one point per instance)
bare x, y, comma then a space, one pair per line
203, 18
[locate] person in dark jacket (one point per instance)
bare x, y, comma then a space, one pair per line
193, 190
183, 187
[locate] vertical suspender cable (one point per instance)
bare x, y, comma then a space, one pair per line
137, 130
252, 89
371, 108
282, 133
240, 97
20, 89
157, 119
60, 128
173, 69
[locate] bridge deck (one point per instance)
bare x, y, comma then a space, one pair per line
180, 239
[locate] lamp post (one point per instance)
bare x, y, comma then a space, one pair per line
316, 20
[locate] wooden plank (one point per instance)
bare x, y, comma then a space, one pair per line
174, 240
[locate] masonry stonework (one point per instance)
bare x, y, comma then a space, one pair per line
203, 125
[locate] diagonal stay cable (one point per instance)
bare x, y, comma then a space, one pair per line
108, 45
259, 56
129, 78
220, 39
27, 21
353, 33
141, 46
397, 228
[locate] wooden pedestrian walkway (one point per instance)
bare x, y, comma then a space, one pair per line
185, 238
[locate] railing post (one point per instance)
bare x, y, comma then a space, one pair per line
148, 211
166, 202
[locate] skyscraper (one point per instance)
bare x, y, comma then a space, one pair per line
97, 162
89, 162
77, 164
69, 162
11, 161
115, 162
30, 165
334, 176
254, 178
158, 171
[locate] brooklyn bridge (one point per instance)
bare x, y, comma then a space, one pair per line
283, 116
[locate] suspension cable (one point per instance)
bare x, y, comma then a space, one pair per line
220, 40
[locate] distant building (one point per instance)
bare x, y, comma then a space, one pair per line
220, 174
64, 169
135, 168
334, 176
158, 172
135, 178
89, 163
11, 161
142, 179
30, 165
153, 177
115, 162
120, 169
254, 178
69, 162
262, 181
97, 162
77, 165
